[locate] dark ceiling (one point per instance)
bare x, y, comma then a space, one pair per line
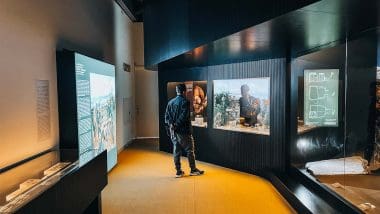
314, 27
173, 27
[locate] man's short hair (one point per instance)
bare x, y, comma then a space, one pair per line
180, 88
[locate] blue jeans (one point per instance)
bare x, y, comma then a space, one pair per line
185, 142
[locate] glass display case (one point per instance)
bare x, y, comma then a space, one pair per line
242, 105
335, 105
24, 182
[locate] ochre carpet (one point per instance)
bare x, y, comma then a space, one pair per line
143, 182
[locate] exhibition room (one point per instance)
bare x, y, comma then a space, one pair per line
162, 106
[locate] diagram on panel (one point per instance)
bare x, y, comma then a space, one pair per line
321, 97
320, 111
318, 92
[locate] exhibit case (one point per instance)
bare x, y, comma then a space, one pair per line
335, 119
40, 183
196, 93
242, 105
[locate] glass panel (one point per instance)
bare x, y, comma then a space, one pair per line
362, 186
336, 121
23, 183
318, 106
318, 109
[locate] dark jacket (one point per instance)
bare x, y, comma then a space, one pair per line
178, 114
249, 109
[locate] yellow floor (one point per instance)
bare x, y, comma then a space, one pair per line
143, 182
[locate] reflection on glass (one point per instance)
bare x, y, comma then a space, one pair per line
242, 105
337, 96
21, 184
196, 93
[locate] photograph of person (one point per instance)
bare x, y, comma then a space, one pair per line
242, 105
249, 106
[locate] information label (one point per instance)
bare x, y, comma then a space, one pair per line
43, 109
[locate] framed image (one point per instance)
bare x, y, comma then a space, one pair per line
196, 93
242, 105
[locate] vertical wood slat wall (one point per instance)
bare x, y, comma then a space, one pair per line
236, 150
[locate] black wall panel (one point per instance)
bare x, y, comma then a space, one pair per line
67, 102
235, 150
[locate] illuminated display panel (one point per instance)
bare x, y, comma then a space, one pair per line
321, 97
96, 106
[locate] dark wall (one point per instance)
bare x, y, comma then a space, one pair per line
67, 100
173, 27
235, 150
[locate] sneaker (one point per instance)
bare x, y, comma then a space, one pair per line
179, 174
196, 171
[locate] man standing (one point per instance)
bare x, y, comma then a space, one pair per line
177, 119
